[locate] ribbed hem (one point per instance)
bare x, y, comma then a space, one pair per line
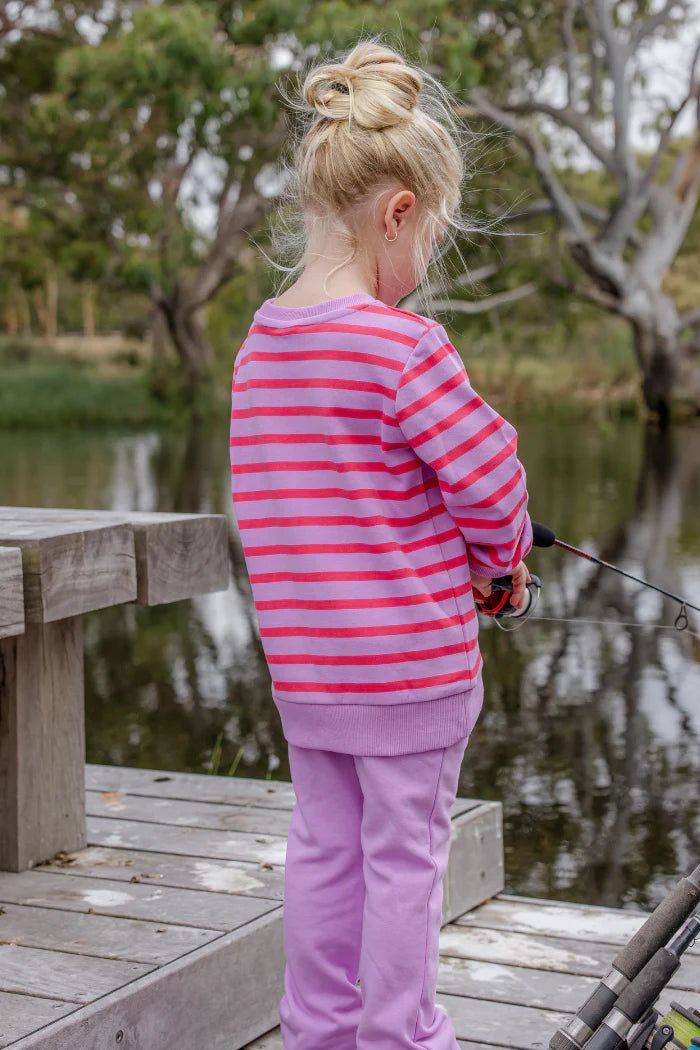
383, 729
323, 310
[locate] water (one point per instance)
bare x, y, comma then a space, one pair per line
589, 732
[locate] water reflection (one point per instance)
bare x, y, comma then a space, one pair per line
589, 732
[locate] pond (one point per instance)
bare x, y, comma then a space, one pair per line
590, 728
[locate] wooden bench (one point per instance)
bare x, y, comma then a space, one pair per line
55, 565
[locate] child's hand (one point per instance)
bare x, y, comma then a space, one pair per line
482, 584
521, 577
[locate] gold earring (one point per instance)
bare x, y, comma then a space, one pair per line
391, 239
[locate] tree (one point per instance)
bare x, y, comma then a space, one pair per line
625, 249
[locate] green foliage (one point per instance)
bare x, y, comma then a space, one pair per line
103, 141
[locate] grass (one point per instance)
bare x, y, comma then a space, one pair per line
45, 386
42, 387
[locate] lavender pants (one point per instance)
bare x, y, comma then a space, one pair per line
366, 855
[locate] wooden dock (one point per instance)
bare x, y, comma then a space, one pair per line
165, 932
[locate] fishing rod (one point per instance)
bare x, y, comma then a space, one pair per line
544, 537
498, 603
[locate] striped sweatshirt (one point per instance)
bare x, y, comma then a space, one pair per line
368, 480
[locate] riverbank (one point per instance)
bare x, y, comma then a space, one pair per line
44, 386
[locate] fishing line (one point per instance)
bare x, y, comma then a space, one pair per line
615, 623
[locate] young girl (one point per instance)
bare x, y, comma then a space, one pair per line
373, 489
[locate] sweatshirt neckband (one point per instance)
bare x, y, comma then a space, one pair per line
322, 309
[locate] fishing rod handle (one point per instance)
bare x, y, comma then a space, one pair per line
635, 1001
661, 925
663, 922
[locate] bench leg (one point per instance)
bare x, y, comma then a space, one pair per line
42, 743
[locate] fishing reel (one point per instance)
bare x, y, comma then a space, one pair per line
498, 604
679, 1029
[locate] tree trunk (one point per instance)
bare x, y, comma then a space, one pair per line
40, 309
89, 325
657, 354
159, 332
25, 312
11, 318
51, 303
190, 341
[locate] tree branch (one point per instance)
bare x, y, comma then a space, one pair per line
482, 107
689, 319
480, 306
567, 29
617, 55
590, 294
570, 118
645, 29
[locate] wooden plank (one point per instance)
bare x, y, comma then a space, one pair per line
560, 954
42, 743
189, 842
168, 869
613, 926
204, 787
70, 566
63, 975
11, 592
273, 1041
475, 864
132, 900
216, 998
133, 940
520, 1027
21, 1015
177, 555
519, 985
483, 822
200, 787
179, 813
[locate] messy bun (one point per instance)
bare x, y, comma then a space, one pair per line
370, 121
374, 87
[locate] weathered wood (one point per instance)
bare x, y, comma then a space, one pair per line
521, 986
22, 1014
11, 592
63, 975
203, 787
520, 1027
132, 940
176, 555
273, 1041
72, 562
248, 878
133, 900
521, 1022
200, 842
475, 865
70, 566
124, 805
180, 813
557, 919
503, 963
42, 743
179, 555
559, 954
217, 998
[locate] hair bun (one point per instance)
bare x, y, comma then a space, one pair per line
373, 87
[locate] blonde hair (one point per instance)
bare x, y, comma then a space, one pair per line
370, 120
